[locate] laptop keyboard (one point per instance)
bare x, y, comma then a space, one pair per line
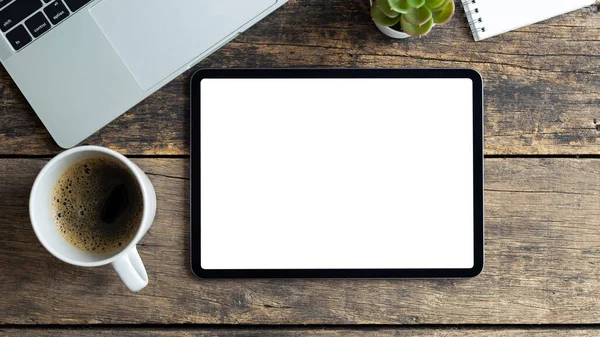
22, 21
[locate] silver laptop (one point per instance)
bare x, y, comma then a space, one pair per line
82, 63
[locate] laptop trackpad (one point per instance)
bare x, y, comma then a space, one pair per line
155, 37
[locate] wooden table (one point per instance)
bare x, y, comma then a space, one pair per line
542, 197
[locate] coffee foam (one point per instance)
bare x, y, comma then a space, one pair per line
78, 199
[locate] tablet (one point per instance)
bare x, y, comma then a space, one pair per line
345, 173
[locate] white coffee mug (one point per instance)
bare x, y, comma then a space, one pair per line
126, 261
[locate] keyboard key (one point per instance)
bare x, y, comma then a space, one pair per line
18, 37
14, 13
37, 24
56, 12
3, 3
76, 4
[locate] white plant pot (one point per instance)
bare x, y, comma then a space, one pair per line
389, 31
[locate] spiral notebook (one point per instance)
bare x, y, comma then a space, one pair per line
489, 18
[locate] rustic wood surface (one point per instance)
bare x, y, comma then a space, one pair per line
300, 332
542, 86
542, 263
542, 81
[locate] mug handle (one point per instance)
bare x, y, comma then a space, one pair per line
131, 270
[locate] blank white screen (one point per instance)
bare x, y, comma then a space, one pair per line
336, 173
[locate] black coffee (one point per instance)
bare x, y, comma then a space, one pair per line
97, 205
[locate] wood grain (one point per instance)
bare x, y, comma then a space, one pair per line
299, 332
542, 264
542, 81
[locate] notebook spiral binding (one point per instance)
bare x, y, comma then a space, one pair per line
474, 17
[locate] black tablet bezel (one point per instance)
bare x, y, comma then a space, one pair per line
338, 73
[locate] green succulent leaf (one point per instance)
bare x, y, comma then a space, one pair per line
384, 6
434, 3
400, 6
382, 19
415, 30
440, 7
443, 16
416, 3
417, 16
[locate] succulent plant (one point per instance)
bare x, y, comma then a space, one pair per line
416, 17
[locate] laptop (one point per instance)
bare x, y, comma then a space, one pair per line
82, 63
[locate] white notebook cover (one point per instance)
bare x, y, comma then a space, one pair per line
493, 17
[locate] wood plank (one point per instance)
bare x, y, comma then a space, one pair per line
542, 81
288, 332
542, 264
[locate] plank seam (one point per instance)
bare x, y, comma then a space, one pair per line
186, 156
301, 327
